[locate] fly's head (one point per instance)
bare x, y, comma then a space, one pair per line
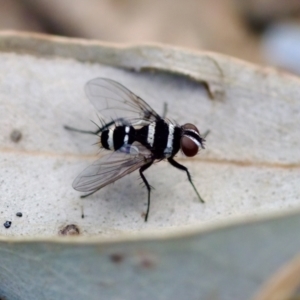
191, 140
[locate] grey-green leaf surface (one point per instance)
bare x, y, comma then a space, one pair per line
250, 167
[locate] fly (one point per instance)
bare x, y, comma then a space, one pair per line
137, 137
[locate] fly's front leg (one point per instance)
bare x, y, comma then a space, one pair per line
142, 169
183, 168
205, 134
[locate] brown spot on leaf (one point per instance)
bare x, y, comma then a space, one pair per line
71, 229
146, 260
117, 258
16, 135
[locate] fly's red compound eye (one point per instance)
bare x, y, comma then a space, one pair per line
188, 146
190, 140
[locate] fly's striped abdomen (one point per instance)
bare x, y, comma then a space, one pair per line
104, 139
114, 138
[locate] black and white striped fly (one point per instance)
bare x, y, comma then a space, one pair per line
136, 134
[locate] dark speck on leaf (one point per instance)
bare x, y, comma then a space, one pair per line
7, 224
16, 135
117, 258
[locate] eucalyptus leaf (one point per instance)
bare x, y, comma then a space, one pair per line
249, 169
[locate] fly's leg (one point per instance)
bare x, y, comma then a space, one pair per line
205, 134
183, 168
100, 129
142, 169
83, 131
89, 194
165, 109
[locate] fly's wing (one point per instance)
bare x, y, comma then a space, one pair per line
112, 167
115, 102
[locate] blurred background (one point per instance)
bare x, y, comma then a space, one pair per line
260, 31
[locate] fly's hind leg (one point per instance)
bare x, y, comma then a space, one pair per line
142, 169
83, 131
99, 130
183, 168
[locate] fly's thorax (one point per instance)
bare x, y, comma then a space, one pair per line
173, 141
176, 140
162, 138
154, 136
